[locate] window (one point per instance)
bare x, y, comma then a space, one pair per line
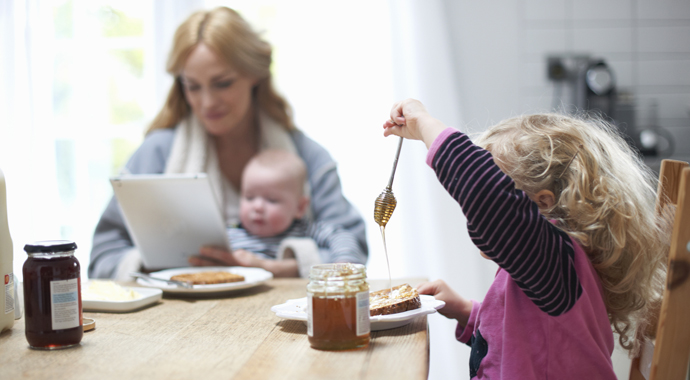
89, 76
92, 81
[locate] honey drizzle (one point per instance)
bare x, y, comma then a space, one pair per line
385, 249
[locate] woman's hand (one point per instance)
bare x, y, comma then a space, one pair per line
410, 119
213, 256
456, 307
279, 268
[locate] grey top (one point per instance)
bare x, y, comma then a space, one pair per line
111, 241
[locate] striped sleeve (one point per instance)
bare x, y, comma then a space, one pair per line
336, 244
265, 247
506, 225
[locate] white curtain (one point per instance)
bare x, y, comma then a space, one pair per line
435, 243
27, 151
167, 17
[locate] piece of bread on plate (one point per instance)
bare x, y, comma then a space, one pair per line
401, 298
206, 278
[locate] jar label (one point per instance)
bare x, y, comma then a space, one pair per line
9, 293
310, 315
64, 299
363, 322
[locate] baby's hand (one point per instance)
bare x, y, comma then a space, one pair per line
456, 307
279, 268
247, 259
410, 119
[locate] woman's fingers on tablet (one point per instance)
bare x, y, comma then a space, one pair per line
210, 256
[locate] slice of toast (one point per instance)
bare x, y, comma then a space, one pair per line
206, 278
400, 298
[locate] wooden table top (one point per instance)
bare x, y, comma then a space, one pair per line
231, 336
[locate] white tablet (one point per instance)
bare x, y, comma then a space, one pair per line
170, 217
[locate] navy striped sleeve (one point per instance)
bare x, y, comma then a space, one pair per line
506, 225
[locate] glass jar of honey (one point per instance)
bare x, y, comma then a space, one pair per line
338, 307
52, 295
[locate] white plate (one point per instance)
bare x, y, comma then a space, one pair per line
297, 310
148, 296
252, 277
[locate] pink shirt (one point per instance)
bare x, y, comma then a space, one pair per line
526, 343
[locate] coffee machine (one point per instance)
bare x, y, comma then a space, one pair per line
590, 81
591, 88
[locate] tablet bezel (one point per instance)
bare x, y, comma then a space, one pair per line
170, 216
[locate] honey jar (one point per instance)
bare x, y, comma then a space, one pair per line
338, 307
52, 295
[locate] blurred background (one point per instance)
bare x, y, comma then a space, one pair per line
81, 79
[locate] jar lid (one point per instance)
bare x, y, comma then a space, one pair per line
49, 246
337, 271
88, 324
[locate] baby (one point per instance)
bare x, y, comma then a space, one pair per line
274, 232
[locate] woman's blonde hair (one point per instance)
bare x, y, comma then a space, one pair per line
604, 197
226, 33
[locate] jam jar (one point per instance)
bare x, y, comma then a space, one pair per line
52, 295
338, 307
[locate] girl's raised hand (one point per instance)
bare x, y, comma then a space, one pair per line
404, 119
410, 119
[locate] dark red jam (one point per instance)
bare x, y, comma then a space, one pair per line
52, 297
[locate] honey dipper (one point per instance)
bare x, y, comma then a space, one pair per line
386, 202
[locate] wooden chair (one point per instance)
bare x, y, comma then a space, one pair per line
668, 357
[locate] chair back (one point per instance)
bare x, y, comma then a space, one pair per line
668, 357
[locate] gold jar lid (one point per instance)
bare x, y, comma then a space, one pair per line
88, 324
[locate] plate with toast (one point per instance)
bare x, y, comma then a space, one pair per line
206, 279
387, 309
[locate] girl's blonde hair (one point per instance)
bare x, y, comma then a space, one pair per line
604, 197
232, 38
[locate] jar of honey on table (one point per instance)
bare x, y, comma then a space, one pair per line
52, 295
338, 307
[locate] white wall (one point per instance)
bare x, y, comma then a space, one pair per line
501, 50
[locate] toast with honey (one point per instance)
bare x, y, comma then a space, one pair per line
391, 301
206, 278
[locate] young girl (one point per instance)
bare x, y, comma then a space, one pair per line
566, 210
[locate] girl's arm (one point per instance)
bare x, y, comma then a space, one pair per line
506, 224
461, 309
456, 307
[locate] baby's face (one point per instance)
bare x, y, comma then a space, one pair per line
270, 201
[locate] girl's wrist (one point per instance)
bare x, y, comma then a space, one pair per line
430, 130
462, 311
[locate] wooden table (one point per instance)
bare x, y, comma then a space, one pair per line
232, 336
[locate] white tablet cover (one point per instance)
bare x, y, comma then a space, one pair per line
170, 216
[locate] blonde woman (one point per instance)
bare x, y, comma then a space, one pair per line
566, 210
221, 111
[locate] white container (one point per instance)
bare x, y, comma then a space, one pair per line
8, 292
